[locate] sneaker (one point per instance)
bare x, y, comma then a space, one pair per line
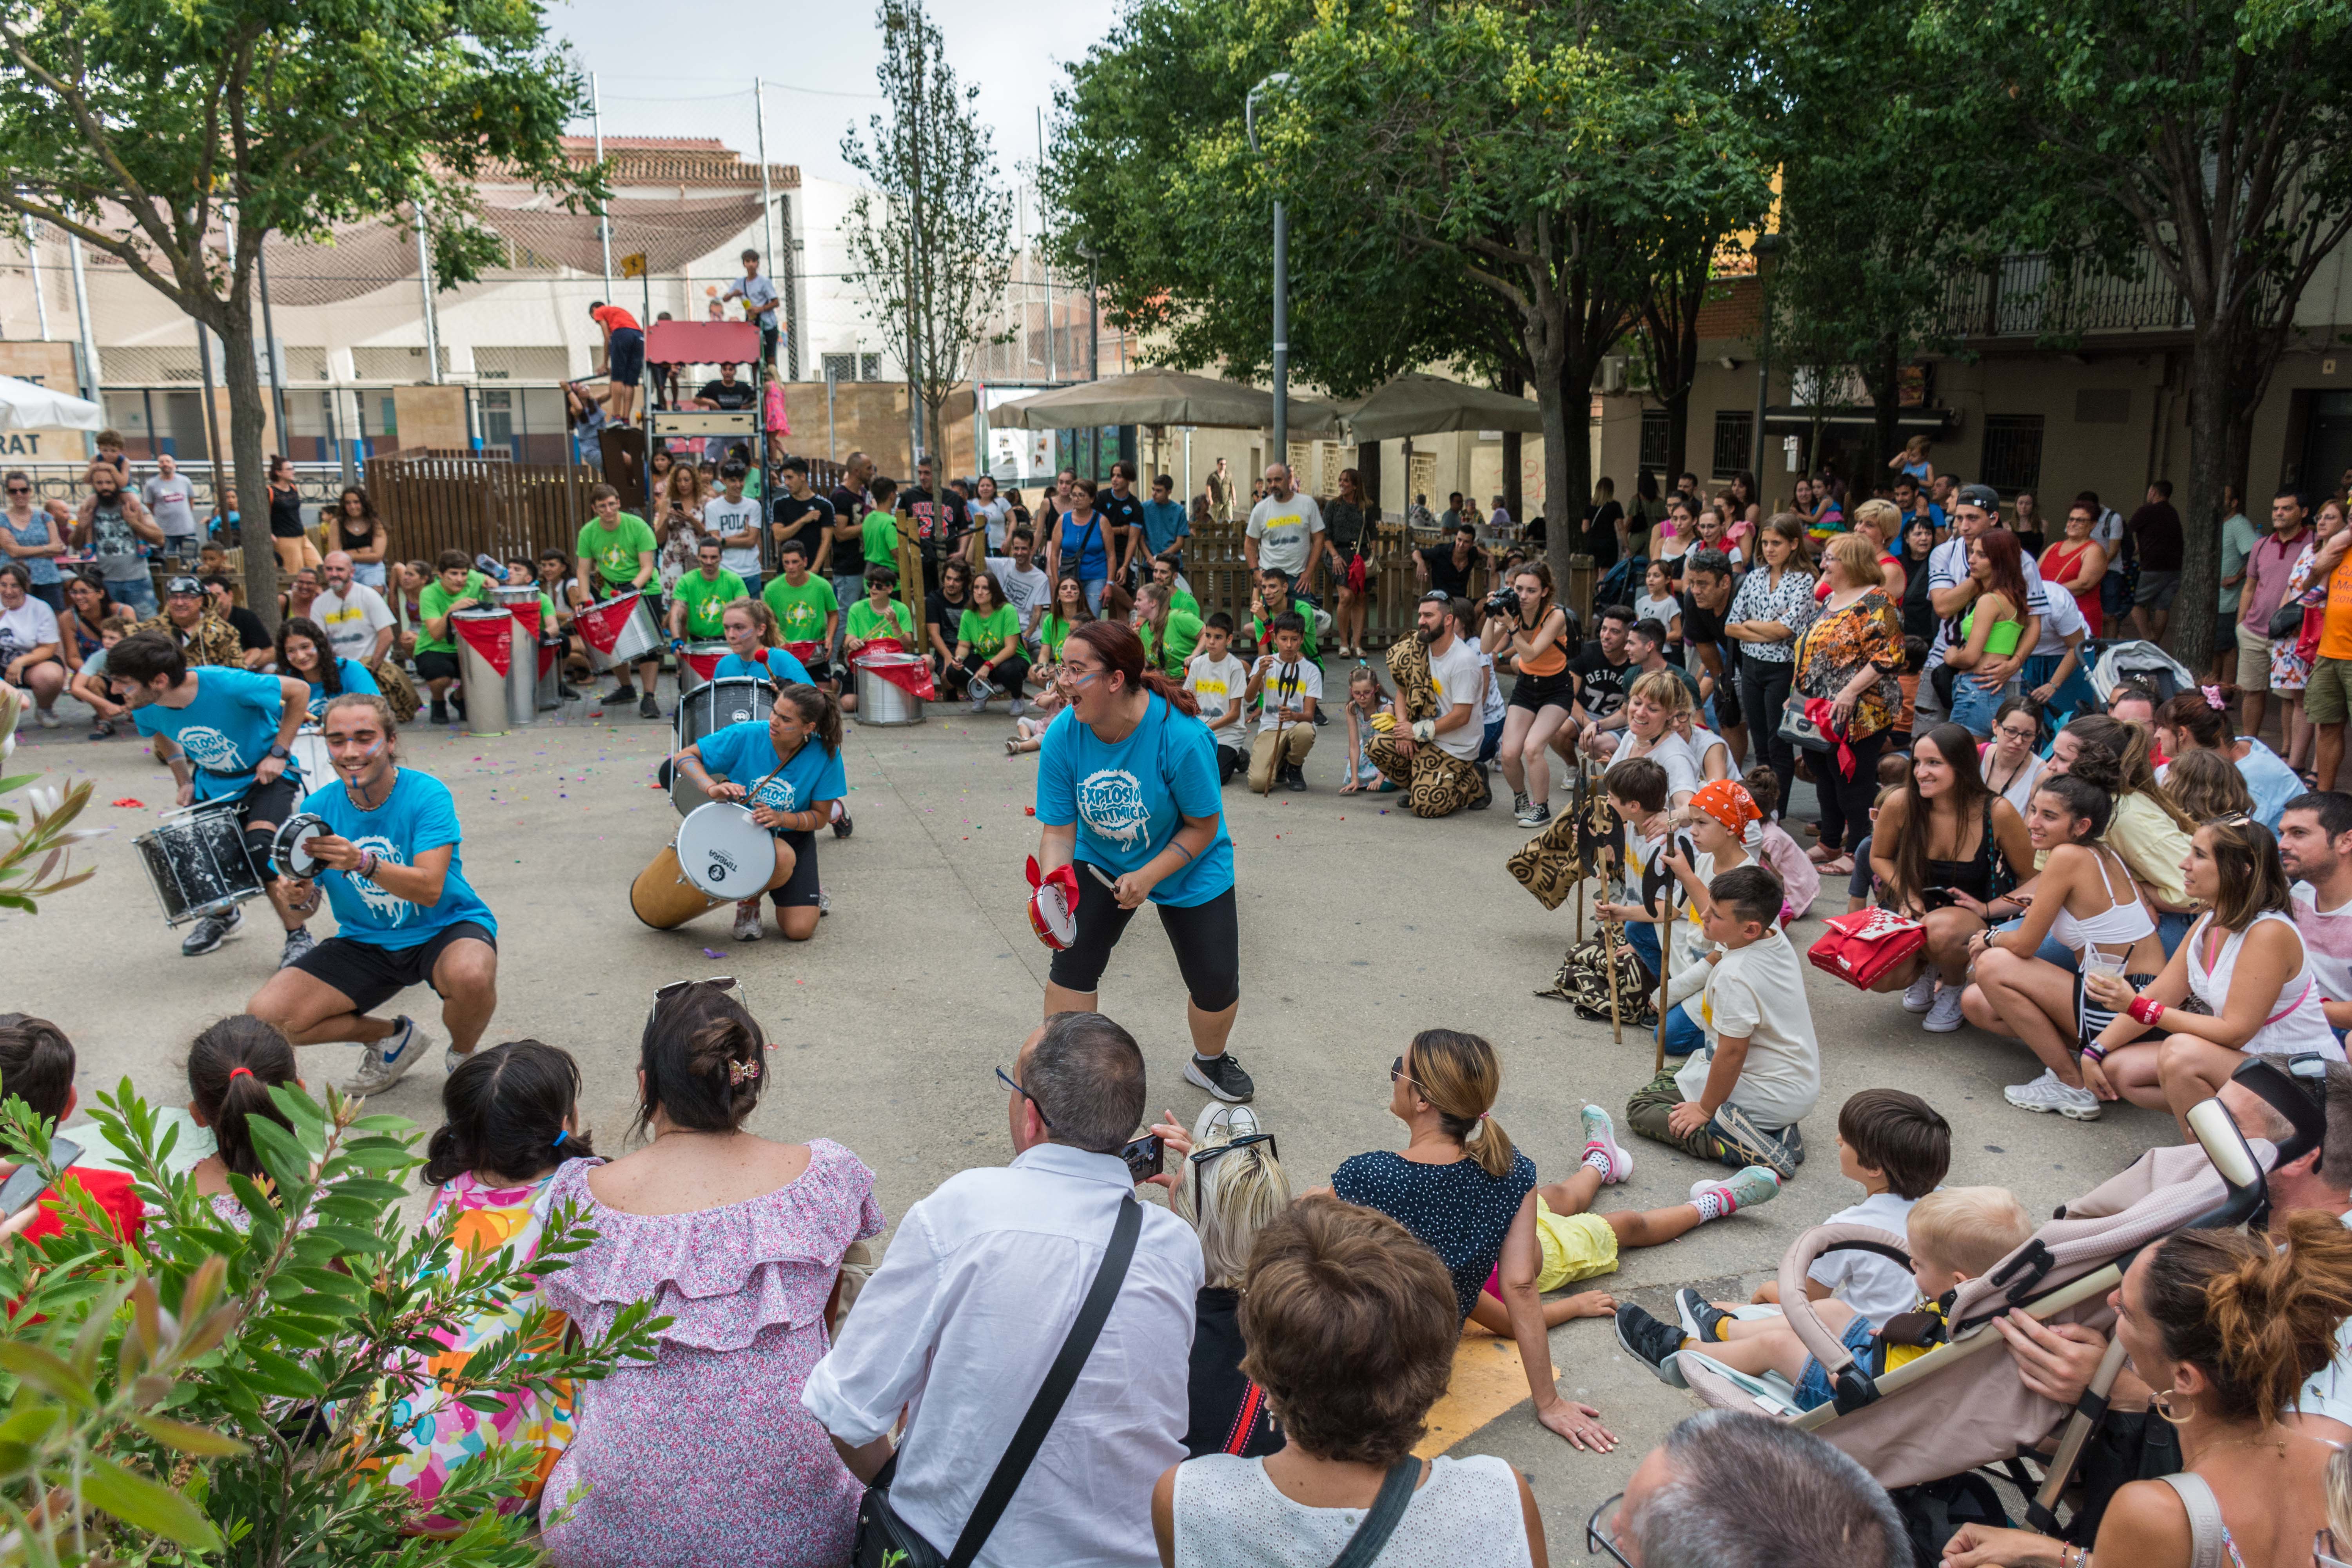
1599, 1129
1294, 778
747, 921
1944, 1015
1745, 1188
452, 1058
613, 698
1536, 815
45, 720
1651, 1342
440, 713
383, 1063
1742, 1139
841, 826
299, 944
1920, 995
1701, 1319
979, 704
103, 730
648, 707
212, 931
2048, 1092
1238, 1120
1322, 716
1020, 706
1485, 797
566, 691
1221, 1076
1519, 804
824, 903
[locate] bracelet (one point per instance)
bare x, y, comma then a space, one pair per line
2146, 1010
367, 865
1180, 849
2095, 1052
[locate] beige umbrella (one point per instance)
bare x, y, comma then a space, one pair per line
1161, 398
1415, 405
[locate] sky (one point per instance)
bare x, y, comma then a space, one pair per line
672, 69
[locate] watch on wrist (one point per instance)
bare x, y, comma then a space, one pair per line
280, 752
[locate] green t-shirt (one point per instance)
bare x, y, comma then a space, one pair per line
615, 550
1054, 631
1183, 632
865, 624
1305, 612
800, 612
881, 540
706, 602
434, 603
1179, 600
987, 637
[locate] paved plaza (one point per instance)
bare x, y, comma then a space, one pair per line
1359, 926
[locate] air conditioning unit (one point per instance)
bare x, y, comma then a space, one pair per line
1611, 379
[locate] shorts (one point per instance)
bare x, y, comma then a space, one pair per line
2112, 599
437, 666
1813, 1389
799, 890
2156, 589
2328, 694
2090, 1019
1206, 937
273, 801
1574, 1247
2254, 673
371, 975
1537, 693
628, 356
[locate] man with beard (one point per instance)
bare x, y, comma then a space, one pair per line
112, 525
189, 620
1432, 750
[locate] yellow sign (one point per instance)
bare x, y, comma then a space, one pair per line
634, 264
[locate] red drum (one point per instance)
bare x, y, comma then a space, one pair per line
698, 664
618, 631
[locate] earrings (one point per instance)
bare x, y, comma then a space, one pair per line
2160, 1403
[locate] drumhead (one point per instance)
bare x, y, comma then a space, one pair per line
1051, 918
715, 704
723, 852
290, 847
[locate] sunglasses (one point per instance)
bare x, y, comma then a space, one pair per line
1008, 1081
1397, 1073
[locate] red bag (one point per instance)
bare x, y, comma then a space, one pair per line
1860, 948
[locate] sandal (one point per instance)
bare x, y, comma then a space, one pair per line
1821, 854
1840, 867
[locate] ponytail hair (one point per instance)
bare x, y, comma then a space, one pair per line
704, 1057
503, 1110
232, 1067
2083, 799
1122, 651
2257, 1319
819, 709
1458, 1075
764, 619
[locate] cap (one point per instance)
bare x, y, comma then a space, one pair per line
183, 585
1983, 496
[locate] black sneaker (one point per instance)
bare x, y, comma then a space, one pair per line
1702, 1320
619, 695
648, 707
457, 706
1322, 716
103, 730
565, 690
1222, 1076
841, 826
1294, 778
212, 931
440, 713
300, 943
1743, 1142
1651, 1342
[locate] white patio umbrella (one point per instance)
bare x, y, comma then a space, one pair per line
29, 406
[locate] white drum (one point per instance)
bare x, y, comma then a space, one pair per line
196, 860
723, 853
311, 757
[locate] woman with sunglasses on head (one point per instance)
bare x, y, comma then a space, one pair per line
705, 1456
1128, 792
33, 535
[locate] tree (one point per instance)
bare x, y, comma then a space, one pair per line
930, 240
2211, 135
177, 138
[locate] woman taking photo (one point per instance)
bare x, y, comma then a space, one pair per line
1773, 607
2227, 1326
706, 1455
1849, 658
679, 527
287, 536
1991, 630
2008, 763
1078, 544
988, 648
2245, 964
1944, 848
2085, 901
361, 535
2198, 721
1533, 641
1127, 792
1350, 526
305, 653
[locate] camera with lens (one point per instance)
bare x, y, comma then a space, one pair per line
1501, 602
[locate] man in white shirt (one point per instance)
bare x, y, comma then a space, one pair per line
973, 1300
171, 502
1285, 530
1950, 590
758, 297
734, 519
1027, 587
358, 622
1435, 761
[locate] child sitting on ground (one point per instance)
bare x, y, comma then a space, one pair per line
1216, 680
1800, 880
1637, 790
1578, 1245
1862, 882
1364, 701
1029, 730
1739, 1103
1285, 684
1954, 1236
1896, 1148
36, 1065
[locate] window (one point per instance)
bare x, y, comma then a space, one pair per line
869, 367
1733, 428
2012, 452
1657, 428
841, 367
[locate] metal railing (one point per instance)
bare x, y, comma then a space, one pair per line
2025, 296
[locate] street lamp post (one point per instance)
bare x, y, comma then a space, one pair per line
1281, 284
1766, 244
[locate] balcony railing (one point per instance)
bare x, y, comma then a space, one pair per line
2025, 297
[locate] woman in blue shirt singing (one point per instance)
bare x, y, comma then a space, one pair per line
1127, 791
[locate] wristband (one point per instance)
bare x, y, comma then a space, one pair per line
1422, 729
2094, 1053
367, 865
2146, 1010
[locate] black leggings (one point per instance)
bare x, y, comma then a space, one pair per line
1207, 939
1763, 692
1011, 676
1845, 802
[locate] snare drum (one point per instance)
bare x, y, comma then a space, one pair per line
719, 856
195, 859
710, 708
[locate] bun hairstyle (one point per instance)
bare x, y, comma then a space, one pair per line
2083, 799
2126, 742
36, 1064
703, 1057
2202, 723
1457, 1074
1121, 652
2256, 1318
232, 1067
819, 711
503, 1110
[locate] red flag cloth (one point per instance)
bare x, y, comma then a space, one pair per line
1820, 712
809, 653
705, 665
888, 658
527, 613
490, 634
601, 625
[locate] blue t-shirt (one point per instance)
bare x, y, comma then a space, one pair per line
1127, 799
780, 667
356, 679
419, 815
1164, 523
743, 754
226, 732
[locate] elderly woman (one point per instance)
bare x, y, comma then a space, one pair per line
1654, 706
1848, 660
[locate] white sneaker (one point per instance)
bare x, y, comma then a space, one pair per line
1944, 1015
47, 720
1920, 995
452, 1058
1599, 1129
2049, 1094
747, 921
1239, 1121
384, 1064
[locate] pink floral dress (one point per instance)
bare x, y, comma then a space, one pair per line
705, 1457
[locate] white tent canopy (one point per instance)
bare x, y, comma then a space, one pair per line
1161, 397
29, 406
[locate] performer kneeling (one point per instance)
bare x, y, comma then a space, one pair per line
794, 765
225, 732
407, 914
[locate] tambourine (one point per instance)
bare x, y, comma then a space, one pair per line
290, 847
1053, 905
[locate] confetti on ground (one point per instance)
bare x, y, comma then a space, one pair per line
711, 952
132, 801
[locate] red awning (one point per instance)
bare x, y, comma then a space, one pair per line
702, 343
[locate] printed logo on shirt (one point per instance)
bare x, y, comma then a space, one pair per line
1110, 803
386, 907
1209, 686
778, 794
800, 617
210, 750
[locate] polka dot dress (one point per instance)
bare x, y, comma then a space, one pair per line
1459, 1210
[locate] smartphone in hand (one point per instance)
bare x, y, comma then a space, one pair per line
1145, 1156
28, 1183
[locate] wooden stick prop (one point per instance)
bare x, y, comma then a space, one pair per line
1280, 703
1616, 1017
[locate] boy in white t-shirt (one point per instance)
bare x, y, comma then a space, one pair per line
1286, 685
1739, 1103
1216, 680
734, 520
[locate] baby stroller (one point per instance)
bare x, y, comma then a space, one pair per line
2144, 662
1957, 1408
